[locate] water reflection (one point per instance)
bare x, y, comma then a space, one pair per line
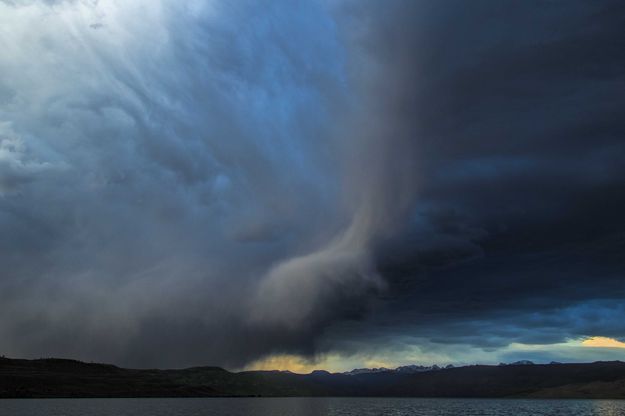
310, 407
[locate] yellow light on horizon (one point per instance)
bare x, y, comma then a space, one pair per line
284, 362
603, 342
304, 365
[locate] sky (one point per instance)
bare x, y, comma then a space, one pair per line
312, 184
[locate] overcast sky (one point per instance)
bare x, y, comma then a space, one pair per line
312, 184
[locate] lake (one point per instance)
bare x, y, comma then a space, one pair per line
309, 407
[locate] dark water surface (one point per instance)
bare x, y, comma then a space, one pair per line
309, 407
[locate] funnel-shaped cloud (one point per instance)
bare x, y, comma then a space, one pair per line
219, 182
161, 161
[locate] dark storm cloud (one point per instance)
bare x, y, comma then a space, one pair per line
521, 142
212, 182
517, 234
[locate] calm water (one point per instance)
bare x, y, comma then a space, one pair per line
308, 407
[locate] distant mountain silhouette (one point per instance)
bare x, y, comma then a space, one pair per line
69, 378
406, 369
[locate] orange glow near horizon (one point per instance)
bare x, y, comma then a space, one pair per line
286, 362
603, 342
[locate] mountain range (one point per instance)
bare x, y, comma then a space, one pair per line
48, 378
407, 369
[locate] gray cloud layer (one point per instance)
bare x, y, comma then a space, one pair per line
211, 182
181, 178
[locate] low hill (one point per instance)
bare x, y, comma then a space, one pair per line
68, 378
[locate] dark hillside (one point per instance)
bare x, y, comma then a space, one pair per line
68, 378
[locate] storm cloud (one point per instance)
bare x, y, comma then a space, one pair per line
211, 182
